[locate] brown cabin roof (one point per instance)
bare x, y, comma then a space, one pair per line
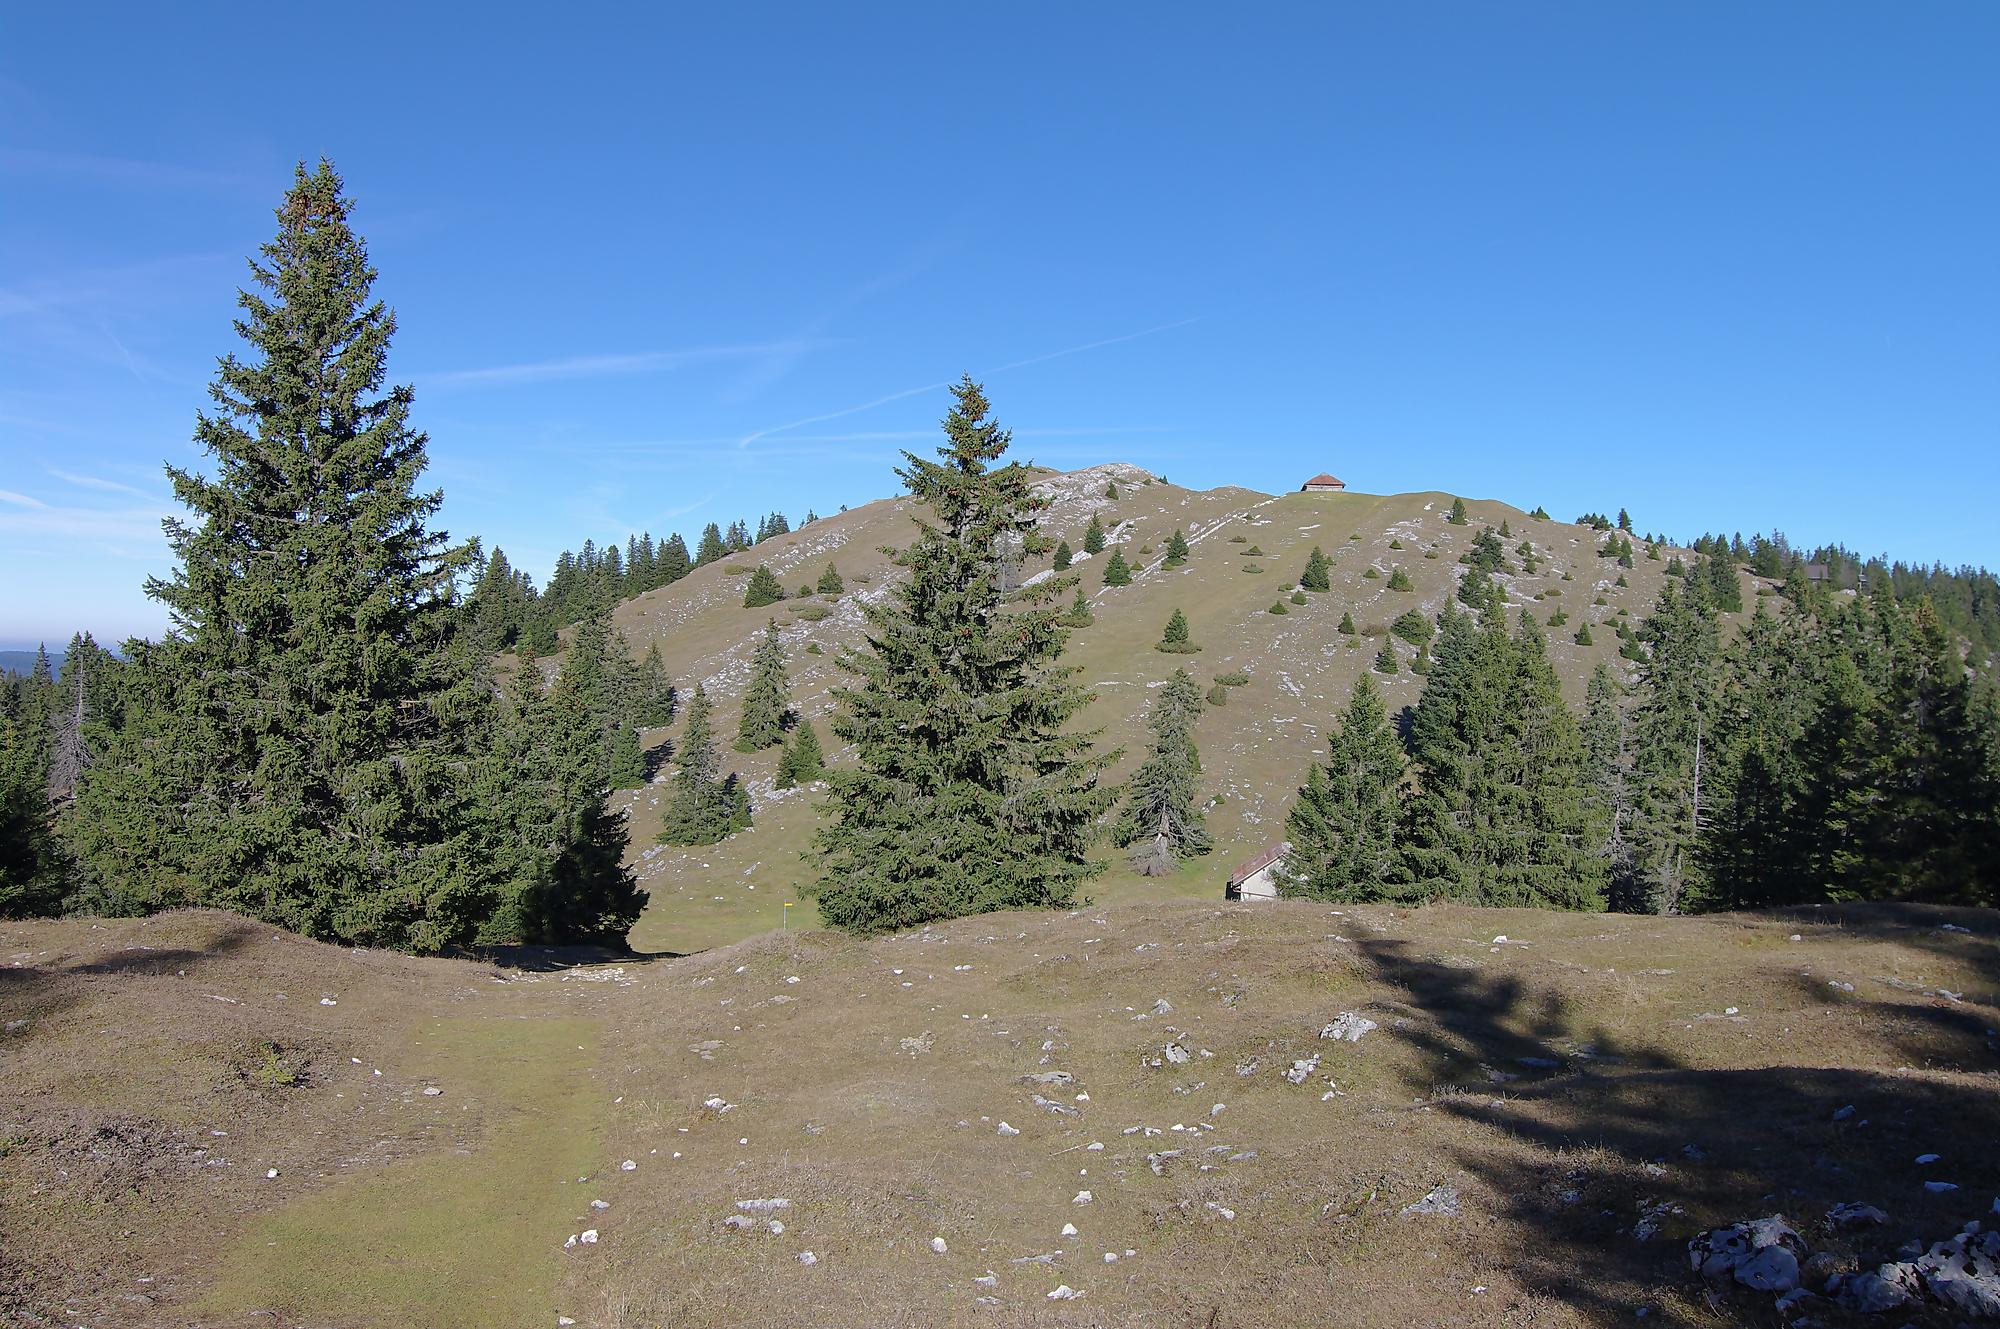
1322, 479
1259, 863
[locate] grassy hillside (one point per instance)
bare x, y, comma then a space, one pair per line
1577, 1094
1254, 748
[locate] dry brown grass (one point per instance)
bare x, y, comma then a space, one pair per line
1657, 1101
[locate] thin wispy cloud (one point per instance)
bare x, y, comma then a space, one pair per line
21, 500
597, 366
786, 428
122, 172
100, 483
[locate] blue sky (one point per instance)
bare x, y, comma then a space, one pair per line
1731, 266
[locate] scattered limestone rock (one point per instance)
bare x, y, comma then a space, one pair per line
1302, 1068
1442, 1201
1348, 1027
807, 1257
1064, 1292
1004, 1129
1049, 1078
1853, 1213
763, 1206
432, 1091
937, 1245
1763, 1253
988, 1279
1082, 1197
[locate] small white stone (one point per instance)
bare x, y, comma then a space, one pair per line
1064, 1292
938, 1246
807, 1257
1218, 1109
328, 1001
1094, 1147
588, 1236
777, 1228
988, 1279
744, 1140
1111, 1257
1069, 1229
1082, 1197
1928, 1158
628, 1166
432, 1091
271, 1175
600, 1204
1005, 1129
563, 1320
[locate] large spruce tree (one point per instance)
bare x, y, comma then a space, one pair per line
766, 704
314, 711
1673, 744
970, 792
1499, 813
1162, 816
703, 806
1344, 827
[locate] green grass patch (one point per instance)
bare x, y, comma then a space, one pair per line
452, 1240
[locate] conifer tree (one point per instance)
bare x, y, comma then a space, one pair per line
763, 589
652, 695
557, 851
672, 562
1174, 640
831, 582
311, 710
802, 761
1457, 517
1725, 586
1412, 627
1385, 659
1177, 549
1607, 764
703, 806
1093, 536
30, 861
1347, 628
1673, 731
970, 790
1111, 490
1079, 615
1486, 553
1115, 571
1161, 816
1399, 580
1343, 829
83, 707
766, 706
1499, 815
1315, 578
1064, 556
711, 547
1749, 846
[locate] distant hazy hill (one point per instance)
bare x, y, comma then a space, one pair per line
22, 662
1247, 551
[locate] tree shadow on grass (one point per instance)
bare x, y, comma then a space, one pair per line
1605, 1156
38, 991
